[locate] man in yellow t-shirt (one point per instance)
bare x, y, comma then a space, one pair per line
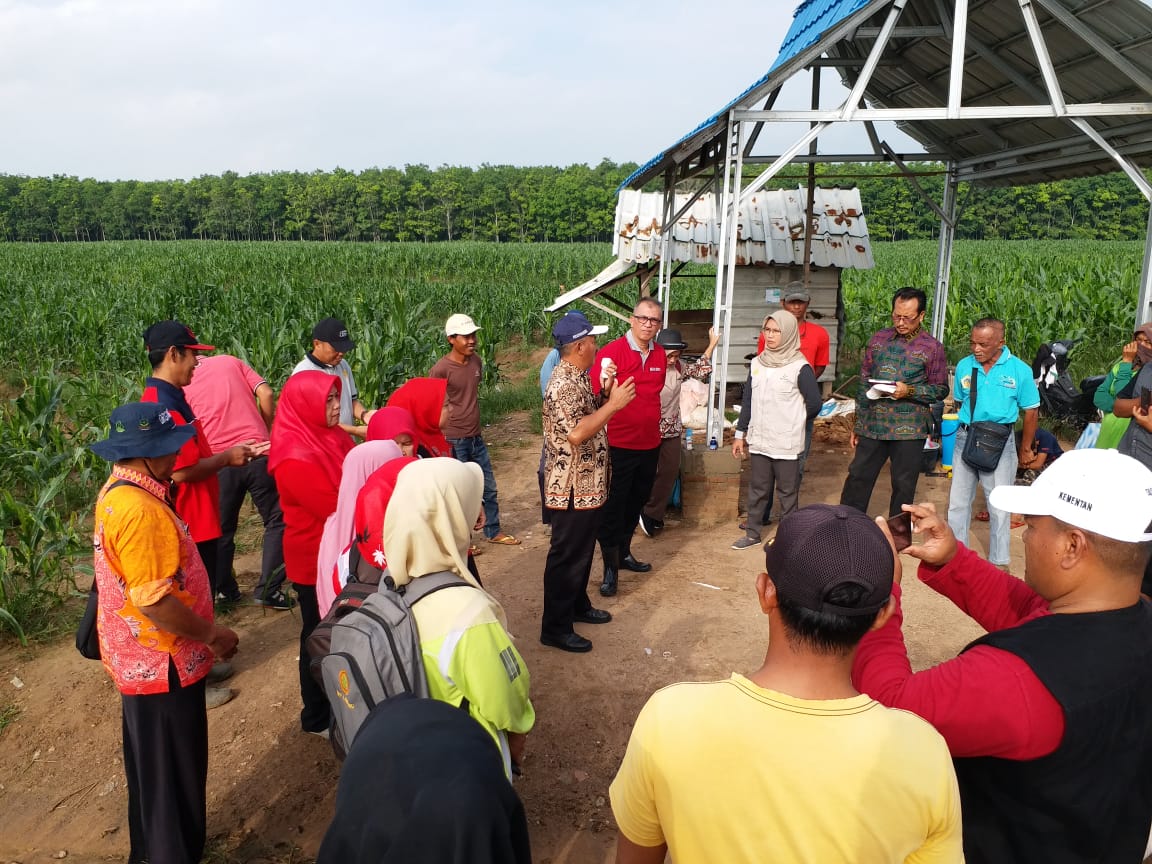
791, 764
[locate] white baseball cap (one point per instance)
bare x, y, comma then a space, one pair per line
1102, 491
460, 325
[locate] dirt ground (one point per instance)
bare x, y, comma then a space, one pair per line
270, 787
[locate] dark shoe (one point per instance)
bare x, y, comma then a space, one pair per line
573, 642
277, 600
630, 563
611, 558
650, 527
228, 599
593, 616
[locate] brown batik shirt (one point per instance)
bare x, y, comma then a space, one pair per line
576, 474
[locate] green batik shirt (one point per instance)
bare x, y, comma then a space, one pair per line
918, 360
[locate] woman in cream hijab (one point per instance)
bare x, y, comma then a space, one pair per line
780, 396
468, 654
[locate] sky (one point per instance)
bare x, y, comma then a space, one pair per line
162, 89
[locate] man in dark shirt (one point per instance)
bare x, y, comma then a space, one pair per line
893, 419
462, 368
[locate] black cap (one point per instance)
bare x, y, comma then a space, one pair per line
165, 334
142, 430
671, 340
333, 331
824, 546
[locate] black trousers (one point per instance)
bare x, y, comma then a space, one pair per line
208, 550
166, 765
633, 473
316, 715
567, 568
251, 479
871, 454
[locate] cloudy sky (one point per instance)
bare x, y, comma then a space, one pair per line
150, 89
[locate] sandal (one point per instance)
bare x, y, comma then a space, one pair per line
504, 540
1017, 523
982, 516
475, 550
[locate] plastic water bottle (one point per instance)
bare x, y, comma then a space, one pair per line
712, 445
688, 438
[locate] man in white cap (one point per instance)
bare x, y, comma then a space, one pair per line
1049, 716
463, 370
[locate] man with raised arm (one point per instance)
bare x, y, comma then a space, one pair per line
1049, 716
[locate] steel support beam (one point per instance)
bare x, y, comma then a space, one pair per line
1118, 60
984, 112
944, 256
956, 75
725, 270
852, 103
1144, 299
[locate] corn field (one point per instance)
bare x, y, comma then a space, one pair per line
74, 314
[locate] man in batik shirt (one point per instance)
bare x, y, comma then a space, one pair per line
894, 417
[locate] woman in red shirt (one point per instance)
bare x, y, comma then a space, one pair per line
427, 400
305, 459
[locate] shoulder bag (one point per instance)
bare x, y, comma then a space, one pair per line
986, 440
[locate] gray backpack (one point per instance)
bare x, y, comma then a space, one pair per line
375, 654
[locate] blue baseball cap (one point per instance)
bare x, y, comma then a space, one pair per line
142, 430
573, 326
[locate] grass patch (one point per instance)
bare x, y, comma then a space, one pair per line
8, 714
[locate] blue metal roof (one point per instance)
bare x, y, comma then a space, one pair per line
811, 19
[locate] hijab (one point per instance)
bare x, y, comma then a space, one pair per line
359, 465
424, 398
300, 429
1144, 352
789, 350
432, 531
372, 506
387, 423
423, 784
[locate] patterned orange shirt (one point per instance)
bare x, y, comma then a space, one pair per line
143, 553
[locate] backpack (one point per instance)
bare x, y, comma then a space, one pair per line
363, 581
374, 654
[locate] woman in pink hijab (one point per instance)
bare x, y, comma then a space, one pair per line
359, 465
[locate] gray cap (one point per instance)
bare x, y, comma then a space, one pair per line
796, 291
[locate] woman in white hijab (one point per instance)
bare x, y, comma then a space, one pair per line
468, 654
780, 396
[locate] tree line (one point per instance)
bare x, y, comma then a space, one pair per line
504, 203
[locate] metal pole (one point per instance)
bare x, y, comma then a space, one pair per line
726, 209
944, 255
1144, 301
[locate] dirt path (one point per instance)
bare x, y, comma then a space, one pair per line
270, 786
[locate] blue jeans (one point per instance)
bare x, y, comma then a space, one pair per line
475, 450
964, 491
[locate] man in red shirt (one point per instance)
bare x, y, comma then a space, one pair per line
235, 405
633, 436
1047, 716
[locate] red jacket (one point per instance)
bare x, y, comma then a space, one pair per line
307, 498
637, 425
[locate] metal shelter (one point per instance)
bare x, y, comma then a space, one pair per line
1004, 92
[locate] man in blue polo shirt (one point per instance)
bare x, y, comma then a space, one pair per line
1004, 388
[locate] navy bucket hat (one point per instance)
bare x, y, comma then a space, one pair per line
142, 430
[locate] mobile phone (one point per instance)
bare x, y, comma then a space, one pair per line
900, 526
1145, 400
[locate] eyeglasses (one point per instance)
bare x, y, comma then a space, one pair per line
905, 319
644, 319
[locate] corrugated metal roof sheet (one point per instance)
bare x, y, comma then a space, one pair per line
1000, 70
770, 229
809, 21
